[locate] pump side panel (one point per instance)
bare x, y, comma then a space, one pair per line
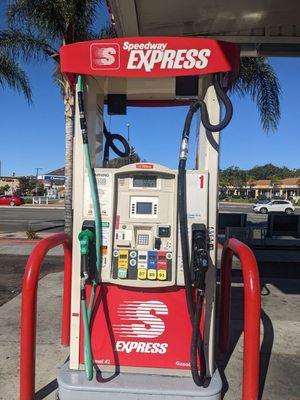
140, 328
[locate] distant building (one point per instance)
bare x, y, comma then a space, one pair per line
54, 183
11, 181
287, 188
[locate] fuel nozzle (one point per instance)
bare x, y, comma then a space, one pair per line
85, 238
200, 259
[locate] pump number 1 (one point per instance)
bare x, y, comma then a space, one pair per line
201, 181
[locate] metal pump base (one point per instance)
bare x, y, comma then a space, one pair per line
73, 385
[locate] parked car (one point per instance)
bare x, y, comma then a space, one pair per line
274, 206
11, 200
262, 201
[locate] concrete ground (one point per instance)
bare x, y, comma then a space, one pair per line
50, 354
280, 333
280, 342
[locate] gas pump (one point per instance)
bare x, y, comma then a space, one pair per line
144, 241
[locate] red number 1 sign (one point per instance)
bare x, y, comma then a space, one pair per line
201, 181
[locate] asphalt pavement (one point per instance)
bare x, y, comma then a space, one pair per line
252, 217
243, 208
20, 219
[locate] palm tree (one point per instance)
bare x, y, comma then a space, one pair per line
258, 79
12, 75
37, 29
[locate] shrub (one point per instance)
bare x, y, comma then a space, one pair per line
31, 235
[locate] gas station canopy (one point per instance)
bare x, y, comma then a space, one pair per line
261, 27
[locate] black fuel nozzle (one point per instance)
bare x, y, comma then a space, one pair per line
200, 268
200, 260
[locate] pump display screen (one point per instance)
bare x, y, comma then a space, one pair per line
144, 181
143, 208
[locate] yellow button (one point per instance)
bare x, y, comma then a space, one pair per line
142, 273
122, 263
151, 274
123, 259
161, 274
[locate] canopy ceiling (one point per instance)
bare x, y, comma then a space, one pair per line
264, 27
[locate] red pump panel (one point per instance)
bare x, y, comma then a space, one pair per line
149, 57
140, 328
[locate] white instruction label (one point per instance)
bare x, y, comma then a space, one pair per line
105, 235
104, 186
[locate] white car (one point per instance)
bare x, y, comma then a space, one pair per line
274, 206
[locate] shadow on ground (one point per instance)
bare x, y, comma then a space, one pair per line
277, 307
12, 269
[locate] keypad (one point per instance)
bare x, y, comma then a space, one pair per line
141, 265
143, 239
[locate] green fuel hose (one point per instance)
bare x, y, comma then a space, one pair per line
87, 313
88, 359
92, 182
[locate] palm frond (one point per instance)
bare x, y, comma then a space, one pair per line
59, 20
45, 17
258, 79
83, 17
107, 31
13, 76
26, 45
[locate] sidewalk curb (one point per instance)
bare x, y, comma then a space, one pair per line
19, 241
41, 207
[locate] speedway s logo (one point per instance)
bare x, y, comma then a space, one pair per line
140, 319
105, 56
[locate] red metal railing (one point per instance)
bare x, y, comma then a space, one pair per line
251, 312
29, 306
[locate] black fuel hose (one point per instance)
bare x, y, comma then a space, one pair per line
221, 95
194, 310
195, 306
109, 143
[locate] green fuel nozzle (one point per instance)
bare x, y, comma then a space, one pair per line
85, 237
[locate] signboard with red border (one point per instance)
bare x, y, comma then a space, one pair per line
149, 57
136, 327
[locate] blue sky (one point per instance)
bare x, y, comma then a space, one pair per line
33, 135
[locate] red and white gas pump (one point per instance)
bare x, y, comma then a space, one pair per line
144, 240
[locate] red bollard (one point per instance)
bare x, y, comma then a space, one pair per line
251, 312
29, 305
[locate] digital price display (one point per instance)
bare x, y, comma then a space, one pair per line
147, 181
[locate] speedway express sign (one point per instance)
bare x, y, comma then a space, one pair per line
140, 57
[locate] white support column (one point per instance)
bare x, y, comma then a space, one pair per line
78, 173
94, 123
207, 158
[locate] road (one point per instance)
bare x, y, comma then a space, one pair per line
246, 208
20, 219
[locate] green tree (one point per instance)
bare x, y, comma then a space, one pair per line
233, 176
11, 74
258, 79
4, 189
26, 184
40, 190
37, 29
121, 161
268, 171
